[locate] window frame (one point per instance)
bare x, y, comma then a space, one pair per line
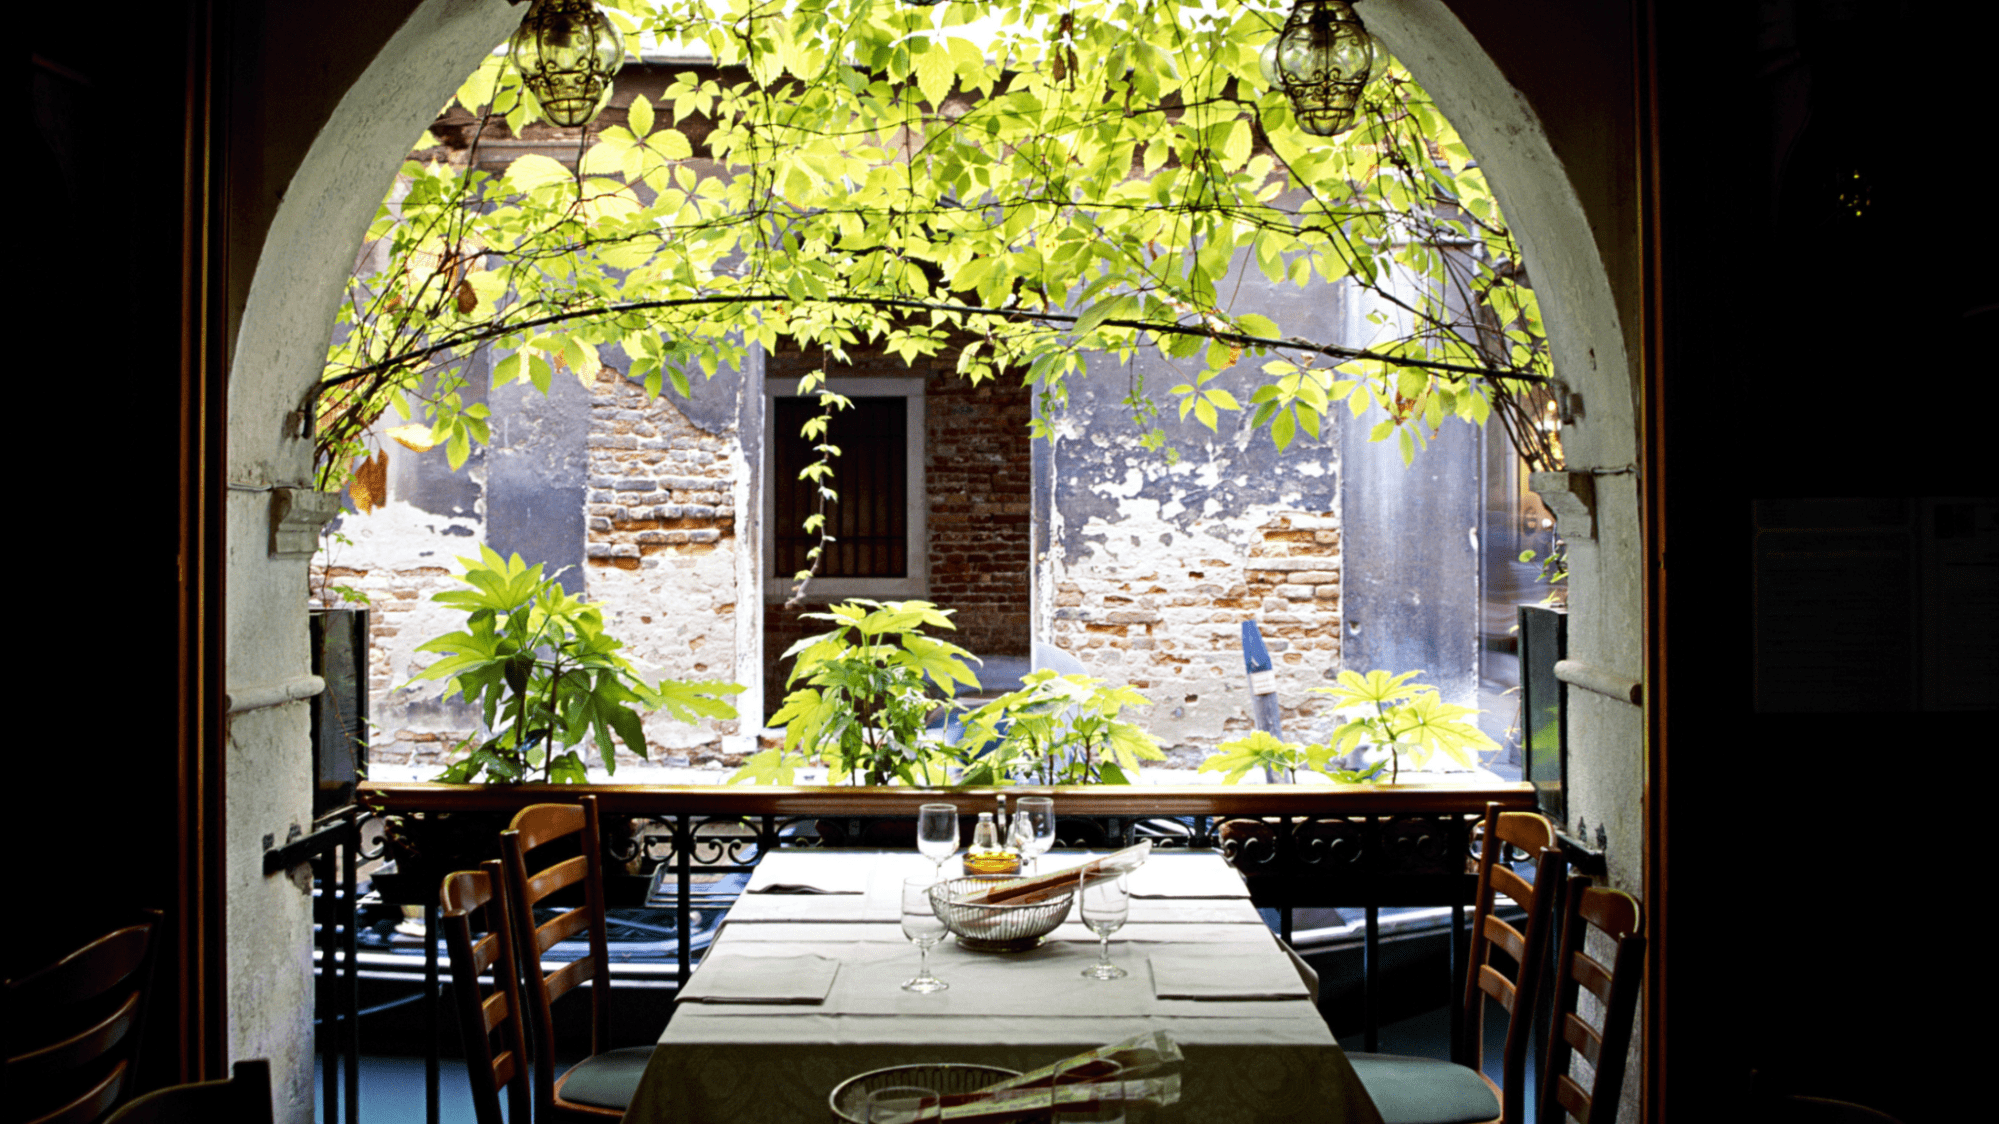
916, 498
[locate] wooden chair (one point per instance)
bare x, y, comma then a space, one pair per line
1406, 1088
73, 1028
601, 1086
1619, 917
243, 1096
479, 1013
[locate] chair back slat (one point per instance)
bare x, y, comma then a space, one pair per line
562, 876
94, 1102
541, 824
81, 1049
479, 1016
561, 928
1527, 948
74, 1027
1590, 973
1586, 907
1495, 985
1505, 882
534, 827
1582, 1037
1572, 1097
1508, 939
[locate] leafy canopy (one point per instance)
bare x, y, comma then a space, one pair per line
1018, 182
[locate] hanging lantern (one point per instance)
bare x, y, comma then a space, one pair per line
568, 52
1321, 60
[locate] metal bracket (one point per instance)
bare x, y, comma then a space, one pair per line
301, 846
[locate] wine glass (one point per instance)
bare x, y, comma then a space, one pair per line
937, 835
1039, 814
921, 925
1106, 903
902, 1103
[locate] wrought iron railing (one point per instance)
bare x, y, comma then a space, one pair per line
1297, 847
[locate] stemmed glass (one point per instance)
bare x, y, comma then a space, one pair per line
1039, 813
1106, 904
921, 925
937, 834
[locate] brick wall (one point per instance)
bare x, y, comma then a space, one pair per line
661, 549
978, 475
981, 482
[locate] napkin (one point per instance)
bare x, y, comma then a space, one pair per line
738, 979
803, 889
1221, 973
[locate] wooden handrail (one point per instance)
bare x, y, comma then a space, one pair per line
1468, 797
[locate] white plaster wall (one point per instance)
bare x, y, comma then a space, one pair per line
280, 345
1606, 591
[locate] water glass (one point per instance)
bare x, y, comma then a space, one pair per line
937, 834
1039, 813
1106, 904
902, 1103
921, 925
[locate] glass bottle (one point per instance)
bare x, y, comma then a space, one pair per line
987, 856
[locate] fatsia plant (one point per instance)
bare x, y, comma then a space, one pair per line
867, 696
547, 678
1021, 182
1280, 759
1402, 719
1056, 730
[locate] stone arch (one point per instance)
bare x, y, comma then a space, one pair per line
1539, 124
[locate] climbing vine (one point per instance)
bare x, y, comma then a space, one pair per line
1014, 183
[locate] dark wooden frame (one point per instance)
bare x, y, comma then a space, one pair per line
91, 1066
532, 828
1620, 917
1533, 834
479, 1013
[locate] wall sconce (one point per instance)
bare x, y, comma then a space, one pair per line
1321, 60
568, 52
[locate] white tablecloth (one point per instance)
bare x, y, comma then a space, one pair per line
1246, 1060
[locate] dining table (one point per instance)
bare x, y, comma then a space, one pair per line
801, 989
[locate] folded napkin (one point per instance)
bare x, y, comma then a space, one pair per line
1184, 880
803, 889
737, 979
1221, 973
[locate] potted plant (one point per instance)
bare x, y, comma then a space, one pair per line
1056, 730
1388, 719
547, 678
867, 696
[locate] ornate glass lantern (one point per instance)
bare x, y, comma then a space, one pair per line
568, 52
1321, 60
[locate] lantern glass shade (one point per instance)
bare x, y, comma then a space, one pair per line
568, 52
1321, 60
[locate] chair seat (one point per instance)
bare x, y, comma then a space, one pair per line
1406, 1088
607, 1080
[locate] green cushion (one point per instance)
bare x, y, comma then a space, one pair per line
607, 1080
1410, 1089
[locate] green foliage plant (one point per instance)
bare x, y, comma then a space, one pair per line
866, 697
1403, 719
1057, 730
1280, 759
547, 678
1042, 179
